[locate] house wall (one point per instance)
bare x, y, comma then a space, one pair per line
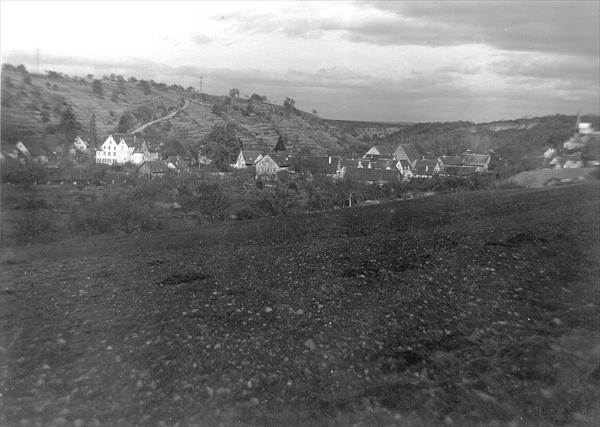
266, 166
240, 163
107, 153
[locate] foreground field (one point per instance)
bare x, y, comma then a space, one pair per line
469, 309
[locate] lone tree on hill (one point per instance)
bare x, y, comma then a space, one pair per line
97, 87
92, 133
126, 123
234, 93
289, 104
280, 146
145, 86
69, 124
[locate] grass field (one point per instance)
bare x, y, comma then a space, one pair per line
477, 308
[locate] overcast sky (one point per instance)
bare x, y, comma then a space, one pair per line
386, 61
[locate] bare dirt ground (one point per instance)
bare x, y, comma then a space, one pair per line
467, 309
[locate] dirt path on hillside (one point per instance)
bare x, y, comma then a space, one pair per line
460, 309
162, 119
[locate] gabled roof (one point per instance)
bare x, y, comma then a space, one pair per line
250, 156
371, 175
475, 159
411, 151
382, 163
134, 141
281, 160
451, 160
155, 166
425, 166
383, 150
459, 170
322, 164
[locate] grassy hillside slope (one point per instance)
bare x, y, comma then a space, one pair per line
31, 111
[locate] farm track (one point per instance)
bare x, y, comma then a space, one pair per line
463, 309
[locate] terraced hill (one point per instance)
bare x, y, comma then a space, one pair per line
32, 106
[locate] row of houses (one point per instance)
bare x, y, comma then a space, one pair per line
380, 164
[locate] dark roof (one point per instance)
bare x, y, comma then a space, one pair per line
475, 159
382, 163
384, 150
405, 164
425, 166
459, 170
451, 160
353, 163
282, 160
411, 151
155, 166
371, 175
131, 140
322, 164
250, 156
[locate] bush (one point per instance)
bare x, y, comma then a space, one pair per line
114, 213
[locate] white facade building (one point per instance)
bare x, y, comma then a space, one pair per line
121, 149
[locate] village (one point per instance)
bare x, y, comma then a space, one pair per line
381, 164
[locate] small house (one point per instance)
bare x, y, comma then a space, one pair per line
370, 176
379, 151
426, 168
247, 159
272, 163
153, 169
407, 152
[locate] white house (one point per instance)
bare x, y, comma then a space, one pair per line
406, 152
80, 145
272, 163
247, 158
121, 148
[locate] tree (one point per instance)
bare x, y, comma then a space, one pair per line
54, 75
145, 86
257, 97
69, 124
234, 93
289, 104
221, 145
315, 112
97, 87
280, 146
21, 69
126, 123
92, 133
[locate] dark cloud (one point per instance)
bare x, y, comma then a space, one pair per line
564, 27
555, 27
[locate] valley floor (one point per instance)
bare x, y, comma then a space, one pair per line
476, 308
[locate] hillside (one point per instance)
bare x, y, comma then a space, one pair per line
32, 106
471, 309
513, 142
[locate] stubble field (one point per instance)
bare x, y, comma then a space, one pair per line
475, 308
